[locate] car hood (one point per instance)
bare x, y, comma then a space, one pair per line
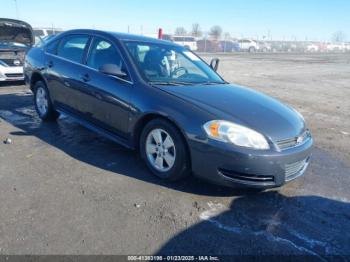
15, 31
244, 106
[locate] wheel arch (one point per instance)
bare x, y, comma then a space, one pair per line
36, 76
145, 119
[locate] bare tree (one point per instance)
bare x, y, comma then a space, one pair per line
180, 31
216, 32
338, 37
196, 30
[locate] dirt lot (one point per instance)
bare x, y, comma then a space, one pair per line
66, 190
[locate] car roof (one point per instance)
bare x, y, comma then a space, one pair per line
121, 36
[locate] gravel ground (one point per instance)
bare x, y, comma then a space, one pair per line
66, 190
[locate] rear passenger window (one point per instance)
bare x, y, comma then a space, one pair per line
72, 48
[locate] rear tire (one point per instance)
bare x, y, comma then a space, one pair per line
42, 102
251, 49
164, 150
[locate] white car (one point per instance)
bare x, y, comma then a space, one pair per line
248, 45
187, 41
264, 47
312, 48
15, 39
42, 32
335, 47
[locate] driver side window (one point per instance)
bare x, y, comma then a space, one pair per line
103, 52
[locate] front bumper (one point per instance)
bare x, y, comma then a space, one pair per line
228, 165
11, 73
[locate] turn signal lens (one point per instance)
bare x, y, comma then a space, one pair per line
214, 129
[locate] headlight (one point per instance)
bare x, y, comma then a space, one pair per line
233, 133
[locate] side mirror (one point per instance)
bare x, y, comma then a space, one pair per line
112, 70
214, 64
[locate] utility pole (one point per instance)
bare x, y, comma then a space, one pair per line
16, 6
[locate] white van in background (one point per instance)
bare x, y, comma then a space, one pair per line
42, 32
189, 42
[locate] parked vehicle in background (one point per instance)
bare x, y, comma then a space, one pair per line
206, 45
228, 46
42, 32
335, 47
167, 37
165, 101
347, 47
40, 41
287, 46
16, 38
264, 46
189, 42
248, 45
312, 48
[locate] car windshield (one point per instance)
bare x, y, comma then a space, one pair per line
170, 65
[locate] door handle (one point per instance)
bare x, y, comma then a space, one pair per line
85, 77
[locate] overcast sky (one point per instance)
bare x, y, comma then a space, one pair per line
282, 19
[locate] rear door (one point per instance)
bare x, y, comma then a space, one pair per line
64, 70
105, 99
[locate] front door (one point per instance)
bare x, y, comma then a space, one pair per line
105, 98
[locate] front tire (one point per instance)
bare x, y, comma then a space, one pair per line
43, 103
164, 150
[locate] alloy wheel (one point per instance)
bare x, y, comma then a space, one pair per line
42, 102
160, 150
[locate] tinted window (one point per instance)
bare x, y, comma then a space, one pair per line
72, 48
51, 48
102, 53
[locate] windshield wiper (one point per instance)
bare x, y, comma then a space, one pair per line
212, 83
169, 83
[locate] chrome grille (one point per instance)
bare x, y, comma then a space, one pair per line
11, 62
14, 75
295, 169
7, 55
293, 142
